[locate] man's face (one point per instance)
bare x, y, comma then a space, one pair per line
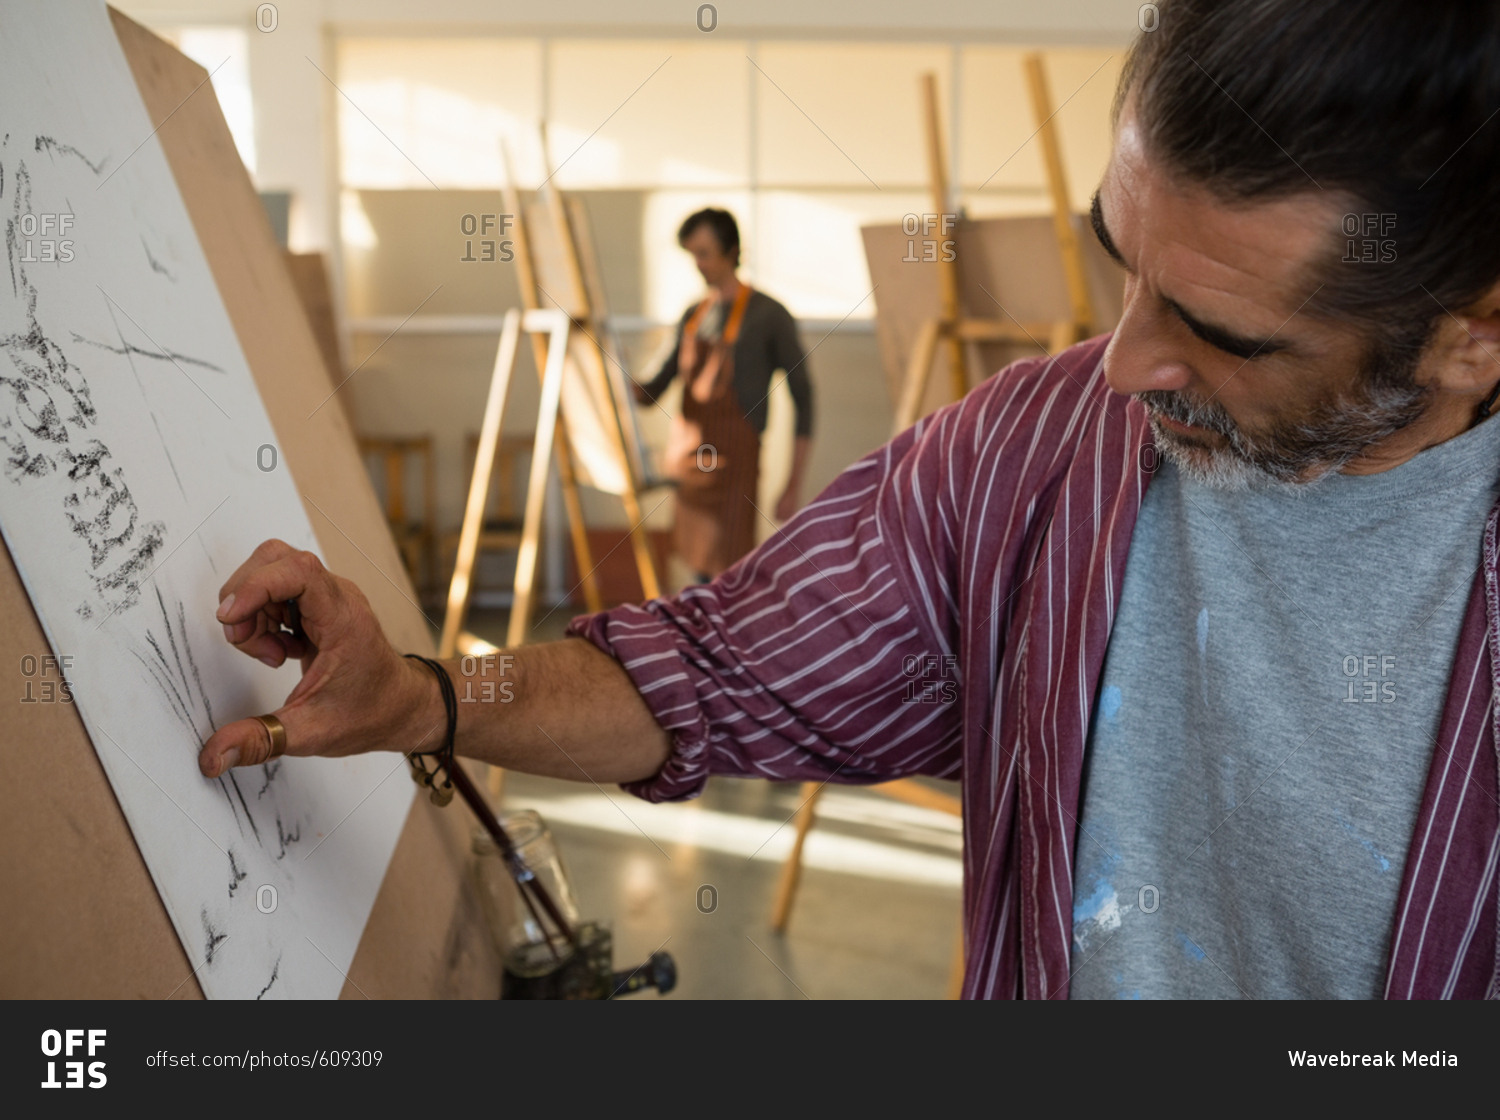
713, 263
1238, 379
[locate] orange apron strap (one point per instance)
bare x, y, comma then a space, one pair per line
736, 315
687, 348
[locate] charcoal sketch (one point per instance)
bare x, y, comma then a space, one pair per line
130, 485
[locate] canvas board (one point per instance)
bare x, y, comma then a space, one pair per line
139, 469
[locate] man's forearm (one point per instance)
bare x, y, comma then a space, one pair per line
562, 710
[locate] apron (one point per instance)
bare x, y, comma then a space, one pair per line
714, 453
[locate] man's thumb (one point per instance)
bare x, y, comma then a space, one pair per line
245, 742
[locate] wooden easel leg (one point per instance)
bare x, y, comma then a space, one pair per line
958, 368
1074, 271
496, 784
1064, 334
918, 369
956, 969
582, 553
791, 870
592, 365
536, 489
645, 563
479, 487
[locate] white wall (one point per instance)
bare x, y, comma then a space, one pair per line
293, 101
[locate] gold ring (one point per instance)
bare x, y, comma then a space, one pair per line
277, 731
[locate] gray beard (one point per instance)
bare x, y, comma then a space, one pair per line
1292, 455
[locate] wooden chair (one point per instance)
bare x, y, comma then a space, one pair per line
415, 536
905, 790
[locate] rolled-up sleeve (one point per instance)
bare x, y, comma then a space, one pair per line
808, 659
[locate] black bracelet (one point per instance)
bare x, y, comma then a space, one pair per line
442, 793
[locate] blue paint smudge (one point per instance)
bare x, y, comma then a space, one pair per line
1385, 864
1109, 702
1189, 950
1203, 633
1087, 909
1121, 992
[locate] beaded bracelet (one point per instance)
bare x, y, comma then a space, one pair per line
441, 792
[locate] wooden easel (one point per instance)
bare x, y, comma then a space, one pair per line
83, 918
554, 325
564, 339
953, 327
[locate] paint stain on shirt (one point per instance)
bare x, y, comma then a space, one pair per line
1367, 845
1190, 948
1109, 702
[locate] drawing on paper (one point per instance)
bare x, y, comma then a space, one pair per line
129, 486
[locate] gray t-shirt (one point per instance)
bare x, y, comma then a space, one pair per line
1264, 725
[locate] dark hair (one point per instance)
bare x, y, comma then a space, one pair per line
726, 229
1389, 102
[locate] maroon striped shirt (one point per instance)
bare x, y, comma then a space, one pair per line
994, 533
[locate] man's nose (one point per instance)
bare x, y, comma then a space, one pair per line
1140, 357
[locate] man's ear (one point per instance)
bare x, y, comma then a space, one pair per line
1468, 345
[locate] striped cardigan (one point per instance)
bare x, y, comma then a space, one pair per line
985, 547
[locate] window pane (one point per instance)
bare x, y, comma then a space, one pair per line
809, 253
833, 114
224, 53
998, 148
432, 112
646, 114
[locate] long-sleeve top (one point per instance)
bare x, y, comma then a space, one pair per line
990, 540
767, 342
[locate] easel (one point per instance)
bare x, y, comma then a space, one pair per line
952, 327
562, 341
84, 919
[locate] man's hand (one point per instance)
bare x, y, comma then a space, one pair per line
356, 693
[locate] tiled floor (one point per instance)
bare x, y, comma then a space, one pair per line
876, 915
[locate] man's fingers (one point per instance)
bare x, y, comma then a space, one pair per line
271, 648
267, 552
299, 576
245, 742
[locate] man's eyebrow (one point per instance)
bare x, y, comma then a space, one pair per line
1241, 346
1101, 231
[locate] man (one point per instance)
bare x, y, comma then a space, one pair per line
1218, 595
728, 346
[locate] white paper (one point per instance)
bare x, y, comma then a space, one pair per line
132, 484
